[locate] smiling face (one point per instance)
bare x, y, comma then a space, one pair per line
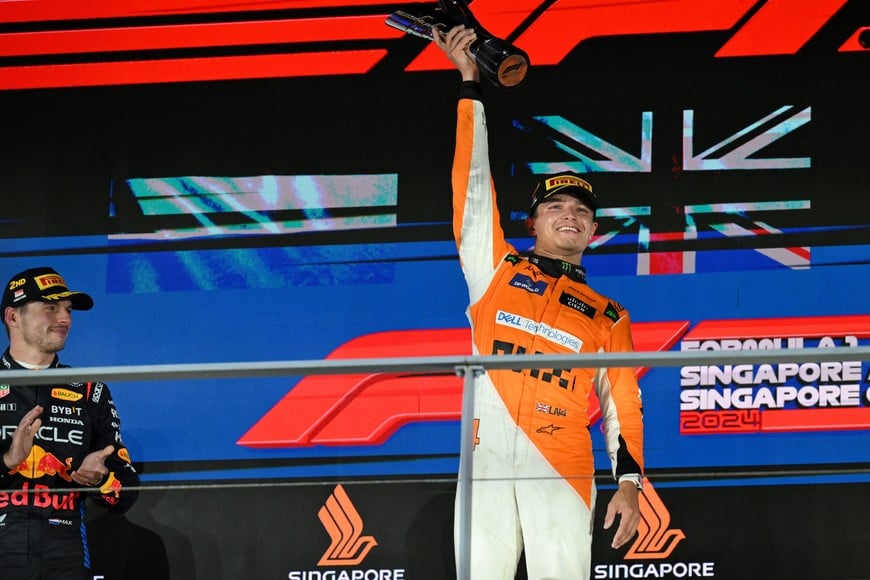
38, 330
563, 227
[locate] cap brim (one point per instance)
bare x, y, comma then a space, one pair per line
573, 191
79, 300
584, 196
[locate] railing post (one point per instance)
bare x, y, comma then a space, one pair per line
463, 488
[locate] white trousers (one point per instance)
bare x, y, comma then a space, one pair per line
518, 501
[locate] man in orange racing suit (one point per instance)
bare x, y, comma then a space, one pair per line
532, 484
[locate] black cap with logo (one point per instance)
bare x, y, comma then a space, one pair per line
43, 284
566, 182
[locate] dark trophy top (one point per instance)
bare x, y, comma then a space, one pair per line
501, 62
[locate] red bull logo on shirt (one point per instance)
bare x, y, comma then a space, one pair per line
40, 496
111, 489
41, 463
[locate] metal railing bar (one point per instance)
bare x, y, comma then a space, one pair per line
444, 364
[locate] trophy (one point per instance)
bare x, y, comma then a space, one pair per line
501, 62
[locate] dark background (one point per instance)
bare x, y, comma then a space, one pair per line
67, 153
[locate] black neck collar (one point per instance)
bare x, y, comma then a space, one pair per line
555, 268
9, 363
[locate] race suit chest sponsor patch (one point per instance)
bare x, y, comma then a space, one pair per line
65, 394
573, 302
529, 285
613, 311
530, 326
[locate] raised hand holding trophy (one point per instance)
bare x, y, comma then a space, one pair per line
498, 60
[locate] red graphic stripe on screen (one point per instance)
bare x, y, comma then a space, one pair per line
805, 326
854, 44
182, 36
569, 22
500, 18
60, 10
801, 252
549, 38
368, 409
774, 420
792, 420
780, 27
189, 69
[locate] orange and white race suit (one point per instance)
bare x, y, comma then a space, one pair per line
532, 482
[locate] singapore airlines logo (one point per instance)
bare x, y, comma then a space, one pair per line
344, 526
655, 540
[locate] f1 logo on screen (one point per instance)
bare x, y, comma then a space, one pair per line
280, 46
369, 409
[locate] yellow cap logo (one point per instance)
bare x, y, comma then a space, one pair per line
562, 180
49, 280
